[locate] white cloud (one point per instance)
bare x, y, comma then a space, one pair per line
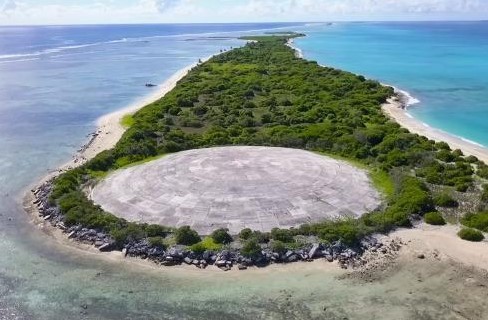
9, 5
167, 11
166, 5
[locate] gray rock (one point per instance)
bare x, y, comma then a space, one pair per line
292, 258
106, 247
187, 260
220, 263
313, 251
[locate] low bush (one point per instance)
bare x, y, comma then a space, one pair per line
222, 236
278, 246
484, 194
434, 218
245, 234
444, 199
207, 243
251, 249
186, 236
157, 242
349, 231
471, 235
476, 220
282, 235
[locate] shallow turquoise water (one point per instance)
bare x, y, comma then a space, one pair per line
54, 83
443, 64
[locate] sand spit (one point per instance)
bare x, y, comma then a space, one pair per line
396, 109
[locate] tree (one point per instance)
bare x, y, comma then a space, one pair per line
245, 234
186, 236
282, 235
222, 236
251, 249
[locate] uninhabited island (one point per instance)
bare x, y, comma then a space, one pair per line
259, 156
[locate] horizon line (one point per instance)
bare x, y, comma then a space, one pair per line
234, 23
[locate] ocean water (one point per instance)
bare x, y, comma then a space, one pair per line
441, 64
56, 81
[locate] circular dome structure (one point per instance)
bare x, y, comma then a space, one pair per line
236, 188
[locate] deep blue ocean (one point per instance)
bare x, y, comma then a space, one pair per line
442, 64
55, 81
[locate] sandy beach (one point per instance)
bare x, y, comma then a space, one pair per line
398, 112
109, 127
436, 241
443, 241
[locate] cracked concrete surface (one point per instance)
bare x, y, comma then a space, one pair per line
236, 188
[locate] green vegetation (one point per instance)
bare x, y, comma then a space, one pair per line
434, 218
251, 249
484, 195
477, 221
471, 235
157, 242
278, 246
187, 236
222, 236
282, 235
208, 243
245, 234
444, 199
262, 94
127, 121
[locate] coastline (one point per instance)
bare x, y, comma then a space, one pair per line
396, 110
109, 132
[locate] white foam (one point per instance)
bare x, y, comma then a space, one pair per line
124, 40
472, 142
409, 100
19, 60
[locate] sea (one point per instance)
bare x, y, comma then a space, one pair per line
55, 81
442, 65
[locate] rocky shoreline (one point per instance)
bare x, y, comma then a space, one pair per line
225, 259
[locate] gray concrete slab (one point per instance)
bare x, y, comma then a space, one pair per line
237, 187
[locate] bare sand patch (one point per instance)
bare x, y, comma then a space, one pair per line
397, 111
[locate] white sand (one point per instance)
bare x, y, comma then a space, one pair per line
109, 127
421, 239
444, 240
396, 111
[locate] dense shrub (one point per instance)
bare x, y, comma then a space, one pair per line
157, 242
251, 249
278, 246
206, 244
222, 236
484, 194
261, 237
444, 199
434, 218
245, 234
471, 235
186, 236
349, 231
476, 220
155, 230
282, 235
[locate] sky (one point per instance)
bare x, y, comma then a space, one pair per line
29, 12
